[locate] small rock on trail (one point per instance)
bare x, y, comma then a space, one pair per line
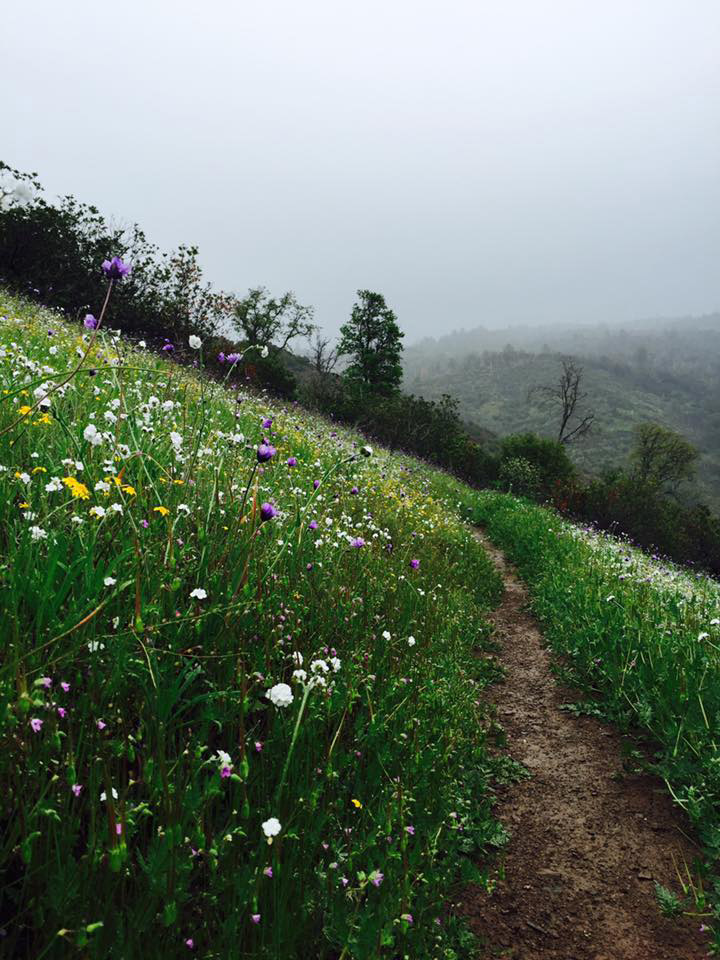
586, 843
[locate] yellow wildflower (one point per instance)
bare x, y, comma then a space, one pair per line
24, 506
24, 410
77, 489
39, 470
161, 510
356, 804
130, 491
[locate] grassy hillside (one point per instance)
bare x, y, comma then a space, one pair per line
493, 392
240, 707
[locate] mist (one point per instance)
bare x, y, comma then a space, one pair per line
527, 164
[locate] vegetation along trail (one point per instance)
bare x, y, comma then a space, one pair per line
588, 841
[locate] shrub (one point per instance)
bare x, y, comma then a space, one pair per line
549, 457
518, 475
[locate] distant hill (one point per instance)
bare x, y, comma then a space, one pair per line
667, 371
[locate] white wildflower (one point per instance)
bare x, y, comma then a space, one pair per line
280, 695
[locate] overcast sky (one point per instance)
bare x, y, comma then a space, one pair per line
479, 163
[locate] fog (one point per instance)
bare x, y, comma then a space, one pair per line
479, 164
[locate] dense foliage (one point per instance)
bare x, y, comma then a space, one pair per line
240, 703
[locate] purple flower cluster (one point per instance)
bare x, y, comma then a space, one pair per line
115, 269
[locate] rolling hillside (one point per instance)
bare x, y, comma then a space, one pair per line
670, 377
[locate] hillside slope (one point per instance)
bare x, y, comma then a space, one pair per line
240, 707
493, 391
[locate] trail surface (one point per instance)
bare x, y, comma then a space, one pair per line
588, 839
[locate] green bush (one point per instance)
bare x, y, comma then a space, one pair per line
550, 458
518, 475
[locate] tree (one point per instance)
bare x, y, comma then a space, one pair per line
371, 339
264, 319
566, 399
323, 357
662, 457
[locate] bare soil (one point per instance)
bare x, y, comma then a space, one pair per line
587, 838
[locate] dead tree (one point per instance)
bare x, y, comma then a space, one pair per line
566, 398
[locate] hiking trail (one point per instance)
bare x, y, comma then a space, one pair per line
587, 838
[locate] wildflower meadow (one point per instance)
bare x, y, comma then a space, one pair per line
240, 692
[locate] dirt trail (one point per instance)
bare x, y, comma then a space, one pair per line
586, 843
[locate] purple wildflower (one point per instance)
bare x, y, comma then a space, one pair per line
90, 322
292, 461
267, 423
313, 525
354, 491
410, 830
414, 563
36, 725
115, 269
358, 543
232, 358
168, 348
316, 484
265, 452
221, 357
255, 917
267, 512
376, 878
268, 872
76, 789
65, 686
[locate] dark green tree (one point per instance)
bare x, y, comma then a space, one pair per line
662, 458
278, 320
372, 340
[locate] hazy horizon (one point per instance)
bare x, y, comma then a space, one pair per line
538, 163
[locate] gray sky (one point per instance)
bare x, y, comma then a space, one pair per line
477, 162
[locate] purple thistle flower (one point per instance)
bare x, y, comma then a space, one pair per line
90, 322
265, 452
233, 357
115, 269
358, 543
267, 512
292, 461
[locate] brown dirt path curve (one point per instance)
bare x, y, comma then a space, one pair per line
586, 843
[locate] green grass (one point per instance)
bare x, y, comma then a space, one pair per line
140, 754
